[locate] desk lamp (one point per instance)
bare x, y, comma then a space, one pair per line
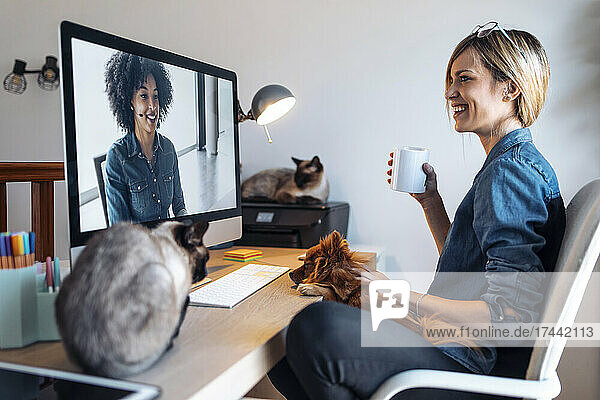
268, 105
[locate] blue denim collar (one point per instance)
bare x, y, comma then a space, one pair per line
135, 148
509, 140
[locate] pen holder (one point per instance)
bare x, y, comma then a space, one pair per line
26, 313
47, 329
18, 307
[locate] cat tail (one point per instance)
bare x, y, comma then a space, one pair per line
143, 330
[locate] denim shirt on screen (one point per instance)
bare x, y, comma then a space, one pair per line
511, 220
138, 191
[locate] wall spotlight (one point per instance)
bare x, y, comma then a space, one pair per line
15, 81
48, 78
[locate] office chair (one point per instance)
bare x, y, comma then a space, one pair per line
578, 256
99, 165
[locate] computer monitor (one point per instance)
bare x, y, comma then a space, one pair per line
149, 136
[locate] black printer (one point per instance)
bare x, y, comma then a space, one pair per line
291, 225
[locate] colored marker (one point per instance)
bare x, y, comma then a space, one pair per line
9, 253
26, 251
14, 244
25, 237
21, 244
20, 252
49, 281
32, 244
3, 261
56, 274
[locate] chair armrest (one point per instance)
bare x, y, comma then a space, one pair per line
428, 378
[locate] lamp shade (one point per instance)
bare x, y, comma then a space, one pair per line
271, 103
48, 76
15, 81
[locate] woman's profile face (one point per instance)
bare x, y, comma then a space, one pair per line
475, 97
145, 106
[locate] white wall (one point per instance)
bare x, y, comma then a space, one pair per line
368, 76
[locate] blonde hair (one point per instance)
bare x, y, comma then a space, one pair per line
530, 73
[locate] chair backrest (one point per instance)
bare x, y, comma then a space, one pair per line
99, 165
42, 176
578, 256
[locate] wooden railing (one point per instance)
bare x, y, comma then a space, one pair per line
42, 176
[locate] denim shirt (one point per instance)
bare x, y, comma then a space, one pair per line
138, 190
509, 225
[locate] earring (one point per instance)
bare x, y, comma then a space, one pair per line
506, 97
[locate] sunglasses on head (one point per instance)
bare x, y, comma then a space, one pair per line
486, 29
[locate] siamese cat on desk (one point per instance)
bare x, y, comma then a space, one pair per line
121, 306
306, 185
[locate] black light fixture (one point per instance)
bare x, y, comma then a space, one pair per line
269, 104
15, 82
48, 78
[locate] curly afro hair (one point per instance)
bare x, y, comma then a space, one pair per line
125, 74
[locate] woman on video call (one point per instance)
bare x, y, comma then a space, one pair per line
142, 171
511, 222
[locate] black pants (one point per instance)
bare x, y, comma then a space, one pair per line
325, 359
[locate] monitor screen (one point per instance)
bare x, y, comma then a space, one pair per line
150, 135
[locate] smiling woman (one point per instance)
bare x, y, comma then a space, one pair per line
142, 170
506, 233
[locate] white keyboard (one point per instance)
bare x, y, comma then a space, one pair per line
234, 287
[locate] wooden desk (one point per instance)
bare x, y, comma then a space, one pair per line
220, 353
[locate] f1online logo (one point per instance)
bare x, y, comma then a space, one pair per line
389, 300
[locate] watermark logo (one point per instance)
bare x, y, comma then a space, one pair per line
389, 300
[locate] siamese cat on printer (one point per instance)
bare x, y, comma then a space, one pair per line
305, 185
122, 304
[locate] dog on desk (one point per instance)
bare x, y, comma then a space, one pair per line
331, 270
121, 306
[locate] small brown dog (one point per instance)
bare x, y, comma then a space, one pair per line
331, 270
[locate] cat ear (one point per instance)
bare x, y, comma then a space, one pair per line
192, 235
316, 162
296, 161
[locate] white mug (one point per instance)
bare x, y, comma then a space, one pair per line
407, 169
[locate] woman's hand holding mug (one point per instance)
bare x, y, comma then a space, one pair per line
430, 197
